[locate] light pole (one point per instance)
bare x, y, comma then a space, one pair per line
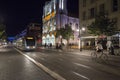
118, 35
119, 38
80, 32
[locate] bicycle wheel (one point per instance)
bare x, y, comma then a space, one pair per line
104, 57
93, 55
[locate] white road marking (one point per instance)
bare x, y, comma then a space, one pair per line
82, 65
50, 72
81, 75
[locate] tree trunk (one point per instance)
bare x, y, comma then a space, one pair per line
67, 44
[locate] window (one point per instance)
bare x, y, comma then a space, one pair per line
76, 25
70, 24
84, 3
114, 5
102, 8
116, 21
84, 15
92, 1
92, 12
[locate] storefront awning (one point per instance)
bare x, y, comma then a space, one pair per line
89, 37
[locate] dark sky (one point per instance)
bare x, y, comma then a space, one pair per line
16, 14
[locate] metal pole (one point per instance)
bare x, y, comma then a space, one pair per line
81, 29
118, 32
80, 39
80, 44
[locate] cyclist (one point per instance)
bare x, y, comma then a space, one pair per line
99, 47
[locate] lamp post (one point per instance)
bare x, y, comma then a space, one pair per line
118, 34
118, 38
80, 32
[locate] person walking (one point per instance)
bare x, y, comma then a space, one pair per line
110, 47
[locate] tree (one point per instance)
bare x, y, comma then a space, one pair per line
66, 33
102, 25
3, 34
2, 27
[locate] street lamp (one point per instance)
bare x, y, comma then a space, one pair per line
80, 32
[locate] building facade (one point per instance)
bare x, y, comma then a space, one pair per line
55, 17
89, 8
35, 29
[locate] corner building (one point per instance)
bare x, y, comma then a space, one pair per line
55, 17
89, 8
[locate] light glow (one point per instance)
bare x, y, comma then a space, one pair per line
83, 29
28, 47
29, 37
61, 5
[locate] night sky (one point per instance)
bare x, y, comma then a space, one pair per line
17, 14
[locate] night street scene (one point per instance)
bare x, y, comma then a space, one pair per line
60, 40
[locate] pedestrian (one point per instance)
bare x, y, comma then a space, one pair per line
56, 45
112, 50
110, 47
50, 45
45, 45
109, 44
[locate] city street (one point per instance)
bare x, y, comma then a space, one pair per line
50, 64
14, 66
60, 40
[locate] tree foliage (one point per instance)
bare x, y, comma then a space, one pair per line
66, 32
2, 31
2, 27
102, 25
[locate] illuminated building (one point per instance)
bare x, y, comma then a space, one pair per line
55, 17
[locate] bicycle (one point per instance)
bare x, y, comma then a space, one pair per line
99, 55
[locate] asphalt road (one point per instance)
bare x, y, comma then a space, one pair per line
72, 66
14, 66
43, 64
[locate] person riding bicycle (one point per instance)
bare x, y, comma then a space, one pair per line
99, 47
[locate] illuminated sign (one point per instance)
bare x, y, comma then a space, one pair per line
53, 14
29, 37
49, 16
